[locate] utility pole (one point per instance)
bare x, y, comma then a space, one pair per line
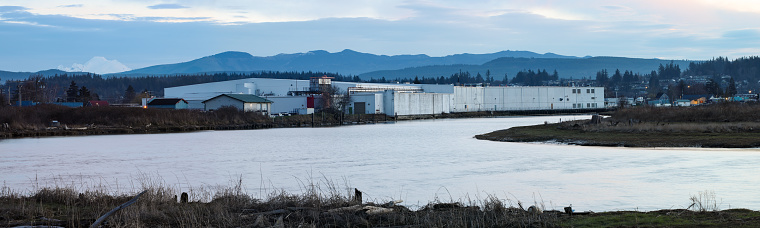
19, 94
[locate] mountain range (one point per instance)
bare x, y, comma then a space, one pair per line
566, 67
346, 62
367, 66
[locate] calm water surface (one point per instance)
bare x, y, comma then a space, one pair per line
415, 161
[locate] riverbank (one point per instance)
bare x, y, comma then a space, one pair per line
53, 120
733, 125
160, 207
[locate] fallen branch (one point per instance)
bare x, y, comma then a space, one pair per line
105, 216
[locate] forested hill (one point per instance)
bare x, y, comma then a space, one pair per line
7, 75
113, 88
346, 62
746, 68
566, 67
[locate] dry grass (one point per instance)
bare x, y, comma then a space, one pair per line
320, 204
719, 112
704, 201
610, 125
38, 117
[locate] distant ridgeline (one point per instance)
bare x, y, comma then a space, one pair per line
575, 68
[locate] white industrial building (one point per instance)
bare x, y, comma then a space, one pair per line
296, 96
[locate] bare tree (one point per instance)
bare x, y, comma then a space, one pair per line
334, 99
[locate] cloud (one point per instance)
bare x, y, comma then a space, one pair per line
71, 6
5, 9
743, 34
174, 19
168, 6
98, 65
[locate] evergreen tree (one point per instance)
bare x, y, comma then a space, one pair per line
3, 99
654, 85
72, 94
84, 94
713, 87
479, 78
602, 77
628, 77
616, 79
129, 94
731, 90
669, 71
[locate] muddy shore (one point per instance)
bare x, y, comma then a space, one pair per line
576, 134
35, 121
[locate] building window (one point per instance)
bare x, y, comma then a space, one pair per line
588, 91
574, 106
588, 105
592, 90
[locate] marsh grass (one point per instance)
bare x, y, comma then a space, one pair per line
320, 203
704, 201
719, 112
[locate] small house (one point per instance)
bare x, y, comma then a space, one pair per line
245, 102
696, 99
683, 102
660, 100
168, 103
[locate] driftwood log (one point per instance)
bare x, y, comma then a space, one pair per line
105, 216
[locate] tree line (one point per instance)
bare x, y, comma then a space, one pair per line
85, 87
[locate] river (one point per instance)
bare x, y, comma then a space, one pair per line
415, 161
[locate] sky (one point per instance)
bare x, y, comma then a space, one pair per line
105, 36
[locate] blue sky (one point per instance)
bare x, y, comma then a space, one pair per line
111, 35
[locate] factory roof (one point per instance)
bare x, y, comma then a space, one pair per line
166, 101
245, 98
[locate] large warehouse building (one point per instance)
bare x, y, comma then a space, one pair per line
293, 96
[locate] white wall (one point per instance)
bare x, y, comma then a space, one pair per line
373, 102
289, 104
223, 101
417, 103
429, 88
195, 104
256, 86
469, 99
